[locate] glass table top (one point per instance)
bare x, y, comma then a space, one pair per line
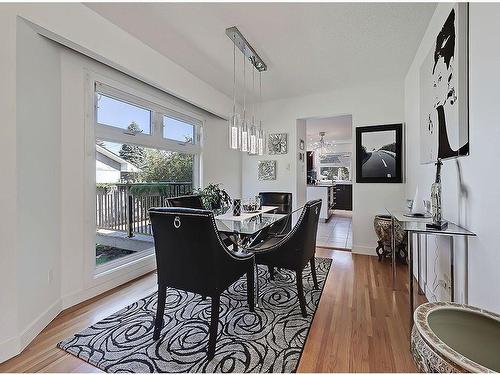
418, 224
252, 224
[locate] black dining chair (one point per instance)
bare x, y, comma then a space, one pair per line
195, 201
295, 250
191, 256
188, 201
284, 203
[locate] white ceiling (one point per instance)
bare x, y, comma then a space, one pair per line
308, 47
338, 129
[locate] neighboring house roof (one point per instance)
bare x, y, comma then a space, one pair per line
125, 166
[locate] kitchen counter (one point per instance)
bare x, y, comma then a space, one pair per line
330, 184
325, 192
320, 185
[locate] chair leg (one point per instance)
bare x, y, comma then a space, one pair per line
251, 289
313, 272
300, 293
160, 310
214, 322
271, 272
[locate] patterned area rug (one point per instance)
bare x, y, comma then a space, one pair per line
269, 340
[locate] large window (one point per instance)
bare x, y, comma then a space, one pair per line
335, 166
178, 130
146, 152
117, 113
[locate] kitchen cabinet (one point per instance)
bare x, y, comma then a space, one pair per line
343, 197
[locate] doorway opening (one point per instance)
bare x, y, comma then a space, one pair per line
329, 149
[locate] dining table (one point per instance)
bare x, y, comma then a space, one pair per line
247, 227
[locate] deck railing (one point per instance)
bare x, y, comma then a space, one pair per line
124, 207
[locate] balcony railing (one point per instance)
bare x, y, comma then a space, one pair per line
124, 207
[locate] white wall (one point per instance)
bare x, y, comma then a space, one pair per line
38, 99
372, 104
42, 193
9, 338
471, 198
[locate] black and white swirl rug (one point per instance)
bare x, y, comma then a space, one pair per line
269, 340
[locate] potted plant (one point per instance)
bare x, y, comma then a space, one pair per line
214, 198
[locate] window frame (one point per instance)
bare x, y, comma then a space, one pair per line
182, 118
159, 107
155, 139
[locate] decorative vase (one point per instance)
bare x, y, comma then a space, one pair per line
236, 207
436, 194
383, 228
437, 219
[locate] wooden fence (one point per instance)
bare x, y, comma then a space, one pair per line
119, 207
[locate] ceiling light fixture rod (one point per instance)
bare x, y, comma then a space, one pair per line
239, 40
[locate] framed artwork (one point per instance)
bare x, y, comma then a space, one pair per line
379, 153
301, 144
267, 170
278, 144
444, 90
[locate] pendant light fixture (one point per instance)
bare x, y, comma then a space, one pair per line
252, 139
234, 122
244, 134
260, 136
244, 123
322, 145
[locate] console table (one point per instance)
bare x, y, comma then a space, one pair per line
417, 226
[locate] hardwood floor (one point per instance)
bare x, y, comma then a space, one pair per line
361, 325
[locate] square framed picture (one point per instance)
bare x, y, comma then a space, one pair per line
379, 154
267, 170
278, 144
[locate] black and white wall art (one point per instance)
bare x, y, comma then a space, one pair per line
267, 170
379, 153
278, 143
444, 103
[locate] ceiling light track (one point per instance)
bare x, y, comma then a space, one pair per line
239, 40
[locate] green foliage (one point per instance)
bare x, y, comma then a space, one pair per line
214, 197
166, 166
335, 173
105, 187
131, 153
158, 188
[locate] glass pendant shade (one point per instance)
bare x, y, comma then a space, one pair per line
234, 132
260, 142
252, 140
244, 136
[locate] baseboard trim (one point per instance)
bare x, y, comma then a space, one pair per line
365, 250
72, 299
9, 349
16, 345
39, 324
